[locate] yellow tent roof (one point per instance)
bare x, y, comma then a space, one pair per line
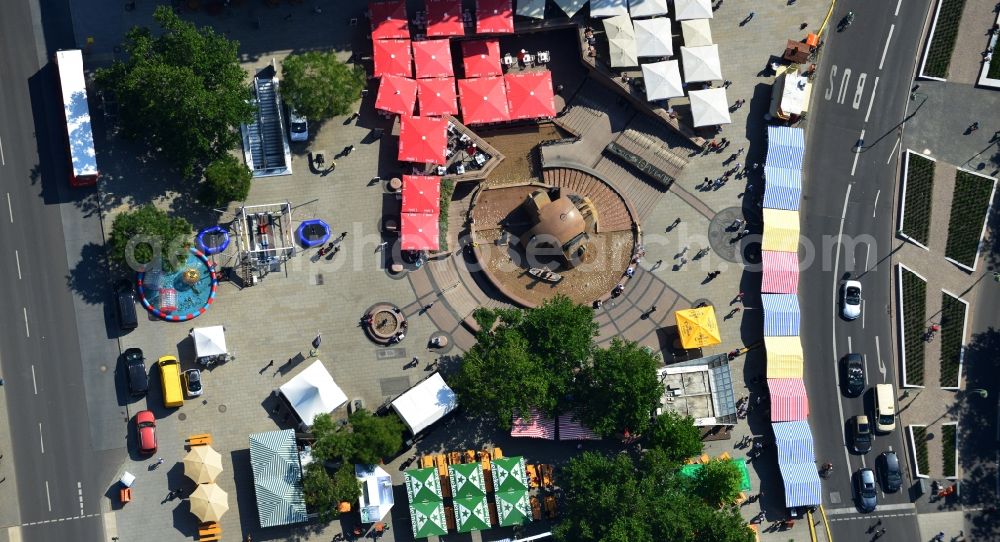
698, 327
784, 357
781, 230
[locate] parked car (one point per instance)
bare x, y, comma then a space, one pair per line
850, 300
125, 305
145, 432
192, 383
862, 434
892, 476
865, 488
135, 372
854, 374
298, 126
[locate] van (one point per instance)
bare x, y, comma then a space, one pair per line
170, 380
125, 305
885, 408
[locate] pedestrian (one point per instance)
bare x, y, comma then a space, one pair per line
803, 26
974, 126
630, 271
381, 246
747, 19
735, 310
738, 298
651, 310
739, 152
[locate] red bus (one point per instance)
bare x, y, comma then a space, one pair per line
80, 137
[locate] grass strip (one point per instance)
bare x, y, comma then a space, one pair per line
952, 324
918, 198
949, 438
914, 316
920, 445
943, 40
969, 206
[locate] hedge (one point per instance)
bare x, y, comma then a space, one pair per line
920, 445
918, 198
914, 316
943, 40
952, 324
447, 189
969, 206
949, 438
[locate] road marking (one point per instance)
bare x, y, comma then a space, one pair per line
34, 383
864, 361
41, 442
899, 3
79, 492
43, 522
863, 307
27, 332
886, 49
3, 161
881, 366
17, 258
47, 496
850, 347
871, 102
881, 508
875, 206
10, 209
868, 253
833, 326
893, 151
857, 153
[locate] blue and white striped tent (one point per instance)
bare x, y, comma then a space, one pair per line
781, 315
794, 442
802, 485
277, 478
785, 147
782, 188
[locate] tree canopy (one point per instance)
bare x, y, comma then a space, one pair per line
181, 91
675, 435
323, 492
718, 482
226, 179
619, 390
364, 439
319, 86
136, 234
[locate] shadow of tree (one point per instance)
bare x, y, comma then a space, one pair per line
89, 279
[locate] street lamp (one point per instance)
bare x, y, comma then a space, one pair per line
981, 392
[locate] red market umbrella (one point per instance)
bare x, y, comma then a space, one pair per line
483, 100
481, 58
423, 140
389, 20
392, 57
433, 58
421, 194
530, 95
494, 17
396, 94
437, 96
420, 231
444, 18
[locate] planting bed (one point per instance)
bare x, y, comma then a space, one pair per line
943, 39
917, 198
952, 327
914, 316
969, 206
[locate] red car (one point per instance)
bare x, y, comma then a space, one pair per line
145, 430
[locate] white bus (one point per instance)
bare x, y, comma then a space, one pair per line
80, 137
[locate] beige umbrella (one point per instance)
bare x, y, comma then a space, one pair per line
202, 464
209, 502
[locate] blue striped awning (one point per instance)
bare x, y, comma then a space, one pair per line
785, 147
782, 188
781, 315
794, 442
802, 485
277, 478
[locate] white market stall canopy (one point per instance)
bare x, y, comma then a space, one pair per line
608, 8
621, 41
647, 8
376, 497
709, 107
531, 8
209, 341
312, 393
427, 402
663, 80
570, 7
701, 63
697, 32
692, 9
653, 37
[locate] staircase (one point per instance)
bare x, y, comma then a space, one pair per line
612, 212
642, 194
265, 147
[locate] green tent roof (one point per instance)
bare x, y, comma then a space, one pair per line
472, 514
467, 480
691, 471
423, 485
509, 474
513, 507
428, 519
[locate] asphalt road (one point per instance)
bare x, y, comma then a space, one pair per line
860, 93
64, 461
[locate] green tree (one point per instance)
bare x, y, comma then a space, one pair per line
374, 437
319, 86
136, 234
561, 334
182, 90
675, 435
226, 179
718, 482
332, 442
618, 391
323, 492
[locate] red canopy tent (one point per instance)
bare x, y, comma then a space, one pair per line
392, 57
420, 231
389, 19
789, 402
421, 194
433, 58
530, 95
483, 100
423, 140
781, 272
494, 17
437, 96
481, 58
444, 18
396, 94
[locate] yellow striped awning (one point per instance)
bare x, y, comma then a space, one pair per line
781, 230
784, 357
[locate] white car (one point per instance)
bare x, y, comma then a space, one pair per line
192, 383
850, 299
298, 126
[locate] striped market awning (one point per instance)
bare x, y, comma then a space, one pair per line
802, 485
784, 357
781, 315
785, 147
788, 399
794, 442
534, 426
781, 230
571, 429
277, 477
782, 188
780, 272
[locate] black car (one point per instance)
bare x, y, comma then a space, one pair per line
862, 432
125, 305
892, 477
135, 372
854, 375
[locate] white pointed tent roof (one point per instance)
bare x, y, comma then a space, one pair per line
701, 63
709, 107
697, 32
531, 8
692, 9
570, 7
621, 41
425, 403
608, 8
663, 80
647, 8
653, 37
209, 341
313, 392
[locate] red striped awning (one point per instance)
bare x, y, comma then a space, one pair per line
781, 272
570, 429
789, 402
534, 426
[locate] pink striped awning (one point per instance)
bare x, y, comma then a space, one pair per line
535, 426
788, 399
570, 429
781, 272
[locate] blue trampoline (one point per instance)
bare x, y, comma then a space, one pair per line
213, 240
313, 232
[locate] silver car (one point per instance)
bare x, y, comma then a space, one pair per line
865, 488
298, 126
192, 383
850, 300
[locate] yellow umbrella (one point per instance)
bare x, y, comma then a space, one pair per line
202, 464
209, 502
698, 327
